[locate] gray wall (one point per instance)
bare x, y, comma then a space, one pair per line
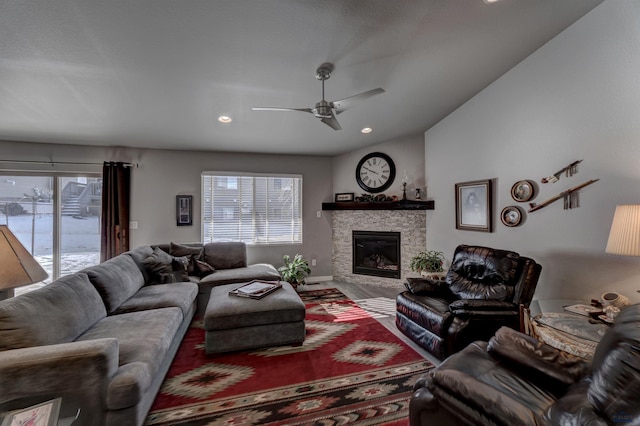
163, 174
578, 97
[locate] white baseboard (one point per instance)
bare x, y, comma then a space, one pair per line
312, 280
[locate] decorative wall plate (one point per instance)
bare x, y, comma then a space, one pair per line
522, 190
511, 216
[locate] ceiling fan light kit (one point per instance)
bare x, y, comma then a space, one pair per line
325, 110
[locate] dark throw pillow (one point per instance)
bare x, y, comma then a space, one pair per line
193, 253
203, 269
159, 262
180, 267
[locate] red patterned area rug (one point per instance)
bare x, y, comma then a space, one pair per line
350, 370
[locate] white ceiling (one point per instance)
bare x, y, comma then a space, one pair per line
157, 73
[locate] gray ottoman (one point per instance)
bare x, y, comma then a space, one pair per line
235, 323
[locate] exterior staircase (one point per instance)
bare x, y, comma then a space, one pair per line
72, 207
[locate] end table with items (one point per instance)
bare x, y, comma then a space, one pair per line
570, 325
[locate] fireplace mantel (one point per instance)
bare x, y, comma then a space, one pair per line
382, 205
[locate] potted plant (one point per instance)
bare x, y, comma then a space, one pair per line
429, 263
294, 271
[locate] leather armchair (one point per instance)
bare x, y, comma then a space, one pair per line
516, 380
482, 291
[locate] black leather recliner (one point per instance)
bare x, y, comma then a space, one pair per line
516, 380
483, 291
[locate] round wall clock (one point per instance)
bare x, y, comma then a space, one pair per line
375, 172
511, 216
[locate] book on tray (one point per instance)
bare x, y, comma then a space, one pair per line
256, 289
582, 309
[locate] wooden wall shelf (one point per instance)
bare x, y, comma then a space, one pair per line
383, 205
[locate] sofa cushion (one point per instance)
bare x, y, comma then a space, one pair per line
193, 253
491, 386
140, 253
226, 255
56, 313
428, 312
116, 280
144, 338
179, 295
257, 271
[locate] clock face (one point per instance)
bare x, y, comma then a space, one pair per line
375, 172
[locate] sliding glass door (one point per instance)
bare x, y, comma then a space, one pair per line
56, 218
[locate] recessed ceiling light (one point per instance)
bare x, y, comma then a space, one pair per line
490, 1
225, 119
367, 130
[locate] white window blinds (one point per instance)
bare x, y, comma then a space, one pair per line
255, 209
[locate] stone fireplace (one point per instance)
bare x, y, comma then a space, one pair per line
409, 224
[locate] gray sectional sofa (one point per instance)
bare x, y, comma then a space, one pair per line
103, 339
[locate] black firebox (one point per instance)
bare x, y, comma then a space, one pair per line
376, 253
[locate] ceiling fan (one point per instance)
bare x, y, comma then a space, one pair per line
326, 111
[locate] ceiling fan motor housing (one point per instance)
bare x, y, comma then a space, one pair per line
323, 109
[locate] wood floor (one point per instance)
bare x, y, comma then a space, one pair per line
380, 299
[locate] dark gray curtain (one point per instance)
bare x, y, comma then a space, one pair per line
116, 184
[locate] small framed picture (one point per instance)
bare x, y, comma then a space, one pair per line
45, 414
522, 190
184, 210
473, 206
511, 216
344, 196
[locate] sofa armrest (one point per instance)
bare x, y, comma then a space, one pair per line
80, 369
426, 286
541, 362
483, 308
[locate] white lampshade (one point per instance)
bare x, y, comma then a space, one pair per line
624, 237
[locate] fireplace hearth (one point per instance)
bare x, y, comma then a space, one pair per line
376, 253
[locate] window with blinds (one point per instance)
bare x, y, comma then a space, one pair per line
255, 209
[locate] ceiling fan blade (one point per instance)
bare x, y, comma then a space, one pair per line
281, 109
332, 122
343, 104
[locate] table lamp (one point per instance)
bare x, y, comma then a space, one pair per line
17, 266
624, 237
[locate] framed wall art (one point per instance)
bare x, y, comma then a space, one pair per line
344, 196
511, 216
474, 206
522, 190
184, 210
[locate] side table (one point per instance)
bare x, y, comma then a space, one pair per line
573, 333
47, 410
